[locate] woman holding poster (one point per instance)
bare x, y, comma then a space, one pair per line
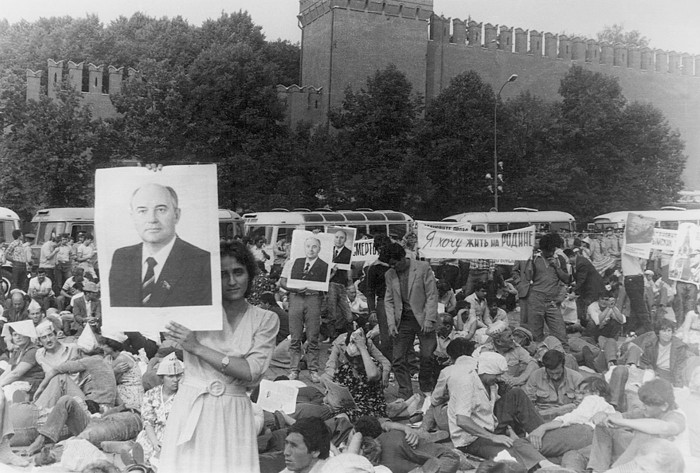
211, 426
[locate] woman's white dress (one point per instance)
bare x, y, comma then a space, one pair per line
211, 426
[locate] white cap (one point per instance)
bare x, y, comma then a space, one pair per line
44, 328
491, 363
170, 366
114, 335
24, 327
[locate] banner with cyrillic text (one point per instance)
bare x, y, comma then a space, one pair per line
454, 244
364, 250
663, 240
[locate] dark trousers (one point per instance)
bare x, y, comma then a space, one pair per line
19, 276
513, 409
400, 457
403, 344
67, 412
386, 345
639, 321
62, 272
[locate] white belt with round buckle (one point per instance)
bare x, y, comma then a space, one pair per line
216, 388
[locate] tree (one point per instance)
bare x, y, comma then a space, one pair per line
617, 34
456, 145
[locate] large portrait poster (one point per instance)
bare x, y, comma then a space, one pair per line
158, 247
639, 233
343, 246
311, 259
685, 262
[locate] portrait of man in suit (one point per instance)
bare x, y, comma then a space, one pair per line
162, 270
341, 253
310, 268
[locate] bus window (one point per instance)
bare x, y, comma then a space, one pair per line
45, 230
377, 230
668, 224
361, 231
6, 230
398, 229
75, 229
560, 226
517, 225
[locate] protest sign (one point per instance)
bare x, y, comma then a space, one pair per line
457, 244
685, 262
158, 247
663, 240
343, 239
277, 397
364, 250
639, 232
311, 258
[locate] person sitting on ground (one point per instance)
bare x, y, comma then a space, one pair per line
86, 306
574, 430
68, 290
41, 288
359, 366
156, 406
445, 332
520, 364
655, 456
17, 307
553, 384
667, 355
403, 449
97, 379
51, 355
37, 315
358, 305
478, 306
484, 424
7, 456
307, 446
604, 326
23, 364
446, 296
619, 438
126, 369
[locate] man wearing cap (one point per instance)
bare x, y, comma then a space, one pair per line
87, 308
482, 422
520, 363
41, 288
51, 355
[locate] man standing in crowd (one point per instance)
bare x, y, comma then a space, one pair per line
638, 321
589, 283
337, 300
63, 270
542, 281
47, 257
17, 255
411, 309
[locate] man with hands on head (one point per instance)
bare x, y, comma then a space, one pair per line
411, 309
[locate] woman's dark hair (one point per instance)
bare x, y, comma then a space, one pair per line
238, 250
460, 347
316, 435
368, 426
657, 392
553, 359
443, 286
113, 344
597, 385
663, 324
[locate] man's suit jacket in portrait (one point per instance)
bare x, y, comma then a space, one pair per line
317, 272
344, 256
184, 280
422, 294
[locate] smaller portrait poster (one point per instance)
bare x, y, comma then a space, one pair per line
343, 245
158, 247
310, 261
685, 262
639, 233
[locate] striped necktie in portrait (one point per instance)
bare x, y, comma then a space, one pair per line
148, 281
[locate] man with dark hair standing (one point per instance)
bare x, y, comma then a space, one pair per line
17, 255
540, 282
307, 446
588, 280
411, 309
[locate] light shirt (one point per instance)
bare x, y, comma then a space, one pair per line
161, 256
479, 309
63, 255
46, 261
358, 306
42, 289
631, 265
584, 412
314, 469
663, 360
65, 352
467, 397
441, 348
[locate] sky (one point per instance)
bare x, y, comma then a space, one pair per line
669, 24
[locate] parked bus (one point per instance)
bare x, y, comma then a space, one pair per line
544, 221
668, 218
9, 221
72, 220
278, 225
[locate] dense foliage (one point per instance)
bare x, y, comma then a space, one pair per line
206, 94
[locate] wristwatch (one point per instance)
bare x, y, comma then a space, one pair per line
224, 363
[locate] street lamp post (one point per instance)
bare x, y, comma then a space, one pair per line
512, 78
